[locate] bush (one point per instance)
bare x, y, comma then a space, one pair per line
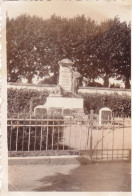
115, 85
94, 84
19, 100
119, 104
35, 138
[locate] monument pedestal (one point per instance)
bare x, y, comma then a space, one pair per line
64, 105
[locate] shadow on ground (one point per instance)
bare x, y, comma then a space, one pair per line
107, 177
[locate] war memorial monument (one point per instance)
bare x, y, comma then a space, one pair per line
57, 101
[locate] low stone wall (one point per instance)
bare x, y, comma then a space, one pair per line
48, 160
101, 90
38, 87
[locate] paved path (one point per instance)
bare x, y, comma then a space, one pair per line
112, 176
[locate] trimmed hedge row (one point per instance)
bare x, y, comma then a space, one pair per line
19, 101
119, 104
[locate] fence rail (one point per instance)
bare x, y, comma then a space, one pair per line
70, 136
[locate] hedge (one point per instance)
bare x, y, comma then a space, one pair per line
119, 104
19, 101
22, 143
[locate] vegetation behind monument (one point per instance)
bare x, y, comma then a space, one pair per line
35, 45
19, 102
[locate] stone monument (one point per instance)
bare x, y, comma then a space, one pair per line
65, 74
105, 116
68, 78
67, 106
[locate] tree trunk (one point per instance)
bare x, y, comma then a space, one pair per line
106, 81
55, 78
127, 83
92, 80
80, 81
29, 79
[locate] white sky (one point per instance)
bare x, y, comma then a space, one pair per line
69, 9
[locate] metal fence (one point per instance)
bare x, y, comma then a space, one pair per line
110, 141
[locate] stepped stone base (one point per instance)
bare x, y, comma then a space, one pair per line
60, 105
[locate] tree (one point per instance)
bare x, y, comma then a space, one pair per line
25, 49
84, 37
112, 50
96, 50
35, 46
122, 55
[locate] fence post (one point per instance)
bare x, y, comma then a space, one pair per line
17, 133
91, 128
123, 138
23, 132
11, 136
29, 133
31, 103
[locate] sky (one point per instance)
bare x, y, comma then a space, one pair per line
69, 9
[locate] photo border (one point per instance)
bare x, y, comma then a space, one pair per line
4, 152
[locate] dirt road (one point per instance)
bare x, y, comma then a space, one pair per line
106, 176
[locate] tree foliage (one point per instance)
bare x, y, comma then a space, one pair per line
35, 45
110, 52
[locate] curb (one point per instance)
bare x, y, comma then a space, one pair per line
51, 160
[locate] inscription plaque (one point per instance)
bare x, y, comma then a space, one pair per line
65, 75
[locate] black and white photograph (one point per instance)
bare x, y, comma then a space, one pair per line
68, 96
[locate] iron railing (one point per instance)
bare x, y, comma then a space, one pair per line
110, 141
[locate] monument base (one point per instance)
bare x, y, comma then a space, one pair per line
65, 106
